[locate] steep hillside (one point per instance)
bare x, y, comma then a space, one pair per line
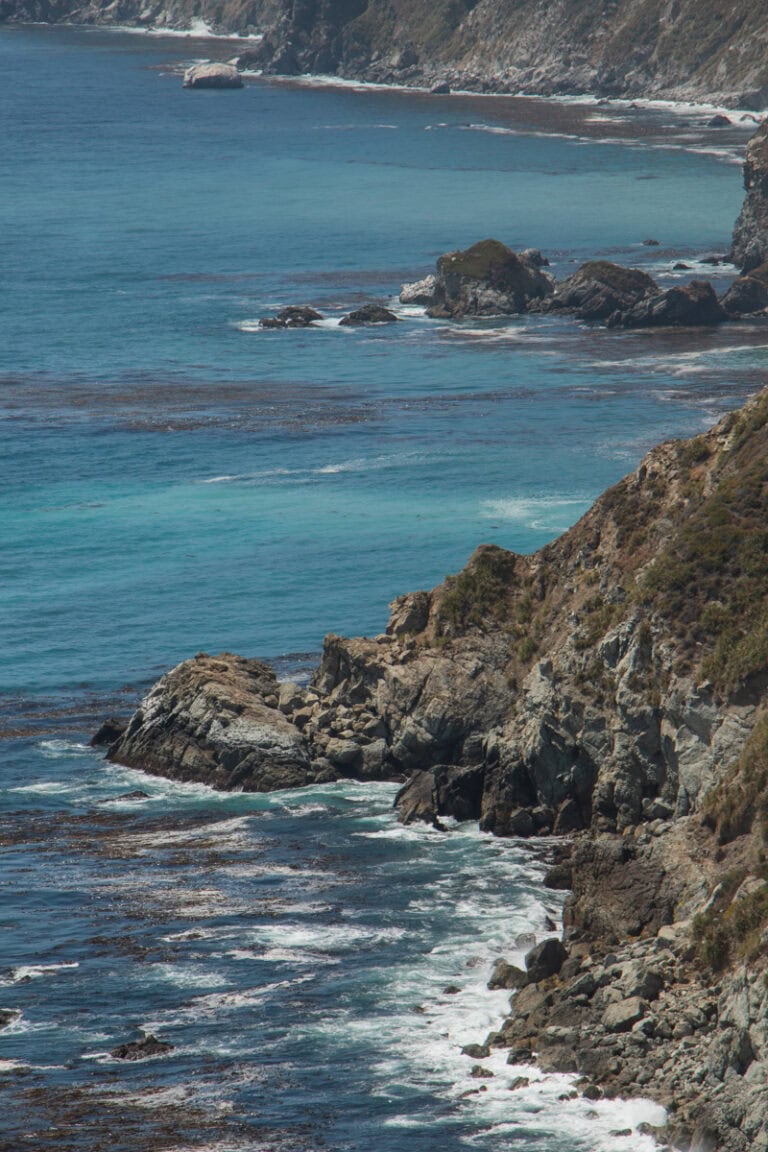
671, 48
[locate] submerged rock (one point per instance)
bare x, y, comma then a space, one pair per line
212, 75
487, 279
141, 1049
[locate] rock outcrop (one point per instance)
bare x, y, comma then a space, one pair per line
294, 316
598, 289
212, 75
487, 279
748, 294
750, 236
683, 306
368, 314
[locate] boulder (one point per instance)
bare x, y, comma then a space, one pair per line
141, 1049
369, 314
683, 306
216, 720
419, 292
445, 790
109, 731
212, 75
487, 279
622, 1016
506, 975
294, 316
719, 121
598, 289
544, 960
748, 293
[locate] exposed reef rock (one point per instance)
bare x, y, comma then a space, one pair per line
598, 289
212, 75
368, 314
750, 234
748, 294
689, 305
294, 316
487, 279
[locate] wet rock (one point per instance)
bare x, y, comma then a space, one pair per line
294, 316
141, 1049
690, 305
476, 1051
597, 290
208, 720
544, 960
441, 89
419, 292
212, 75
519, 1082
651, 243
108, 732
481, 1073
748, 293
487, 279
506, 975
719, 121
369, 314
7, 1016
441, 791
136, 794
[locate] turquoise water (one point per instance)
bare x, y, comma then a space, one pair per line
172, 479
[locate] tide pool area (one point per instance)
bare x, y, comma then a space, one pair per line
173, 478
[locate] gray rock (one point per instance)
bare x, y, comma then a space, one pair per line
544, 960
506, 975
212, 75
621, 1017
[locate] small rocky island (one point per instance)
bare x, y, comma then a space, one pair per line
611, 690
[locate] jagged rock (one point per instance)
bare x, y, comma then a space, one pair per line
409, 613
544, 960
690, 305
212, 75
369, 314
107, 732
749, 247
441, 791
208, 720
598, 289
618, 889
506, 975
294, 316
419, 292
748, 293
141, 1049
487, 279
622, 1016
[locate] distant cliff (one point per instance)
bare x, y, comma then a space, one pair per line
664, 48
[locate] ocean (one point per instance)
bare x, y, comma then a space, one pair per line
174, 479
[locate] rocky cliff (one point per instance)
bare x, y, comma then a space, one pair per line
750, 235
670, 48
611, 687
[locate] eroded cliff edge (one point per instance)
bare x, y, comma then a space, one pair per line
611, 687
679, 49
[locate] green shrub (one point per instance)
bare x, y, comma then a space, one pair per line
481, 591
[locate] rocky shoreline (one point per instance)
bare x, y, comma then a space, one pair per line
688, 51
610, 689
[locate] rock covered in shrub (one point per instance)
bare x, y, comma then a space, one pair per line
487, 279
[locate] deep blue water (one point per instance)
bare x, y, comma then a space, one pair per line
173, 479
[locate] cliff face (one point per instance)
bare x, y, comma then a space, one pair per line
750, 235
613, 686
672, 48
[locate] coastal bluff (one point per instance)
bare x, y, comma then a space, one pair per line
691, 49
610, 689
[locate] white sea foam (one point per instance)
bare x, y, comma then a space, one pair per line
198, 29
25, 972
539, 513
